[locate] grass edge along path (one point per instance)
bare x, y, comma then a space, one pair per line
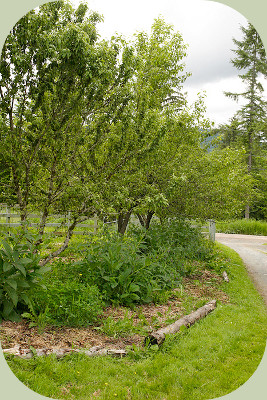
210, 359
243, 227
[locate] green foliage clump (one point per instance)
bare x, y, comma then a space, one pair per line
19, 272
143, 266
122, 274
176, 240
243, 226
68, 303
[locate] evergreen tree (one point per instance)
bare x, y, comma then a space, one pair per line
251, 58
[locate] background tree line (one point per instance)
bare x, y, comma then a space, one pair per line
248, 128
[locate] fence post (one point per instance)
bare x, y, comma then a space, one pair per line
8, 219
68, 219
95, 224
212, 230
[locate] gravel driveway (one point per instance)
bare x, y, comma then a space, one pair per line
253, 251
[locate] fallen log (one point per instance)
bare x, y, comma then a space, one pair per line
158, 336
61, 352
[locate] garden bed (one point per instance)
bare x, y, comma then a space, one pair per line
194, 291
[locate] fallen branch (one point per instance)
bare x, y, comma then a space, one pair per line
94, 351
158, 337
225, 276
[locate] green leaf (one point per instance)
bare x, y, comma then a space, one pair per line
12, 283
26, 315
25, 261
14, 316
8, 249
134, 288
12, 294
8, 307
22, 283
122, 277
33, 351
20, 267
134, 296
7, 266
15, 255
25, 298
43, 269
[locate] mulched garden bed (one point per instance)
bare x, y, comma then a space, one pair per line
204, 285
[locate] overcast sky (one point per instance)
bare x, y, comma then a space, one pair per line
206, 26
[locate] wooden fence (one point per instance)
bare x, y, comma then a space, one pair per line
7, 216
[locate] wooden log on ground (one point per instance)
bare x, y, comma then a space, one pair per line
158, 336
61, 352
225, 276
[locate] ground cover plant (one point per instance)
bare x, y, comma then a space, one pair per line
226, 339
243, 226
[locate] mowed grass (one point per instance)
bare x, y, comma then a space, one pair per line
243, 226
210, 359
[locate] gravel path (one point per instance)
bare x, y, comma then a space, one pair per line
253, 251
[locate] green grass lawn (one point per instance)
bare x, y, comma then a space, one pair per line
212, 358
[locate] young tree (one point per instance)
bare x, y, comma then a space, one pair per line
157, 82
61, 92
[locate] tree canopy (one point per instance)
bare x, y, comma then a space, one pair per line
103, 126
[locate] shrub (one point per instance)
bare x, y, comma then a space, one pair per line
122, 274
175, 240
19, 272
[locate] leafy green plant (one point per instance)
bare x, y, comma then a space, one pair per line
122, 274
39, 320
68, 303
174, 241
19, 272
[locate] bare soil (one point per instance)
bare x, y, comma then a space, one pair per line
200, 286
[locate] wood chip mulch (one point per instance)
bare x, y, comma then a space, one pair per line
201, 286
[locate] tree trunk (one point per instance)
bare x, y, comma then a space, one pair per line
145, 219
247, 209
123, 219
158, 337
141, 219
148, 219
65, 244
